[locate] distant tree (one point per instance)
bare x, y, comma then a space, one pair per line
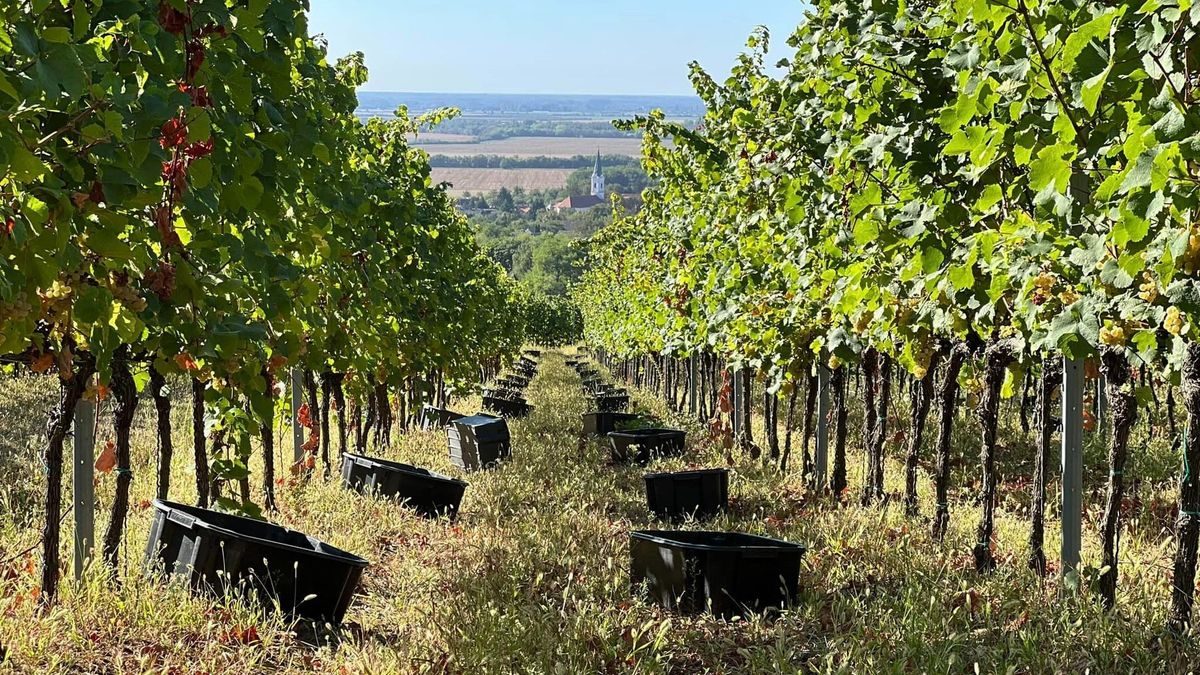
504, 201
626, 180
554, 265
621, 179
541, 251
522, 259
474, 201
503, 250
587, 223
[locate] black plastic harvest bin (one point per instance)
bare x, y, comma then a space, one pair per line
603, 423
728, 574
500, 391
221, 552
436, 418
611, 402
478, 442
429, 494
650, 443
698, 494
508, 407
512, 382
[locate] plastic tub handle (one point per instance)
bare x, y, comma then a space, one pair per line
181, 518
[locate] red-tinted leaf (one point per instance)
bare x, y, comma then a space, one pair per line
186, 362
195, 58
201, 149
304, 415
97, 193
43, 363
174, 134
198, 94
107, 461
172, 20
174, 174
162, 280
213, 30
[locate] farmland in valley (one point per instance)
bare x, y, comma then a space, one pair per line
535, 147
433, 137
490, 180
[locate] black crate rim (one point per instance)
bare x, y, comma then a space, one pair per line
671, 538
194, 516
683, 474
407, 469
634, 434
475, 422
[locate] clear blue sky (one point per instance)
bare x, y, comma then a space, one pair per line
547, 46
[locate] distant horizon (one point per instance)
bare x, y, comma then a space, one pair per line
524, 93
549, 106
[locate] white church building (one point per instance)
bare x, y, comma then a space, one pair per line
586, 202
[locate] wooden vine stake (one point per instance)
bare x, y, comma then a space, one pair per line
1122, 415
1187, 527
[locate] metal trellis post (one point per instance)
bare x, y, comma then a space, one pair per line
693, 373
737, 402
297, 402
82, 476
821, 453
1072, 463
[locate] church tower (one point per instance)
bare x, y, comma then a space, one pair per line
598, 179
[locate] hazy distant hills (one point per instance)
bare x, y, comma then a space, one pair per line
382, 104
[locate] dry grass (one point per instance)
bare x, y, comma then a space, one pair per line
491, 180
539, 147
534, 576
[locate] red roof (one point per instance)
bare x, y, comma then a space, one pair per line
579, 202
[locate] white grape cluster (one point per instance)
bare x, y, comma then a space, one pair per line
17, 309
125, 293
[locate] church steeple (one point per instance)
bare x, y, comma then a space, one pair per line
598, 178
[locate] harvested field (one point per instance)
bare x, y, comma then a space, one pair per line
435, 138
489, 180
536, 147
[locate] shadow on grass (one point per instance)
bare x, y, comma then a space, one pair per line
23, 412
